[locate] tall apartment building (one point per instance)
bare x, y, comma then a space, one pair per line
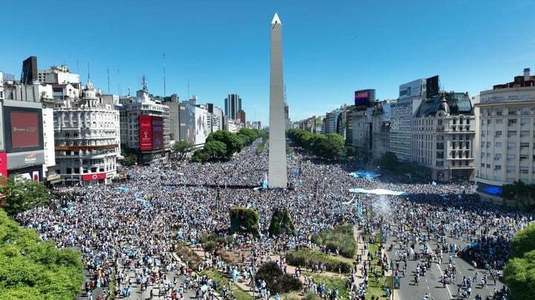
174, 116
410, 96
87, 139
507, 135
217, 118
442, 135
144, 124
371, 129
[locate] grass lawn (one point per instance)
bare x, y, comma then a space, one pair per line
222, 281
375, 283
332, 282
339, 238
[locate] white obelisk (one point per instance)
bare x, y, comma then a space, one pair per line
278, 173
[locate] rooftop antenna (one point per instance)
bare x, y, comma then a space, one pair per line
88, 72
118, 83
108, 73
144, 83
164, 79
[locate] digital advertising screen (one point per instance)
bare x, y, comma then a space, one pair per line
145, 133
157, 133
24, 130
364, 98
432, 86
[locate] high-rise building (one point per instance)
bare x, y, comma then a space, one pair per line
233, 106
506, 135
174, 116
217, 120
241, 117
411, 95
278, 172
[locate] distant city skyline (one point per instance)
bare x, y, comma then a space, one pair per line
330, 50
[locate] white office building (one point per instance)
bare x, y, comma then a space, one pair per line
507, 135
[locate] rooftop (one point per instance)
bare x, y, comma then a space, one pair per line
457, 103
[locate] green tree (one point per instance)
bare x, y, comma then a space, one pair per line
249, 135
523, 241
231, 140
181, 148
276, 280
523, 194
200, 156
281, 222
244, 220
129, 159
326, 146
33, 269
216, 150
519, 275
23, 194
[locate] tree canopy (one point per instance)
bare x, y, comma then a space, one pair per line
244, 220
181, 148
519, 272
31, 268
23, 194
281, 222
326, 146
229, 142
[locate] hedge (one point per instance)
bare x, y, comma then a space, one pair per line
309, 258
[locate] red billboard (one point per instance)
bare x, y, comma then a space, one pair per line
145, 133
3, 164
94, 176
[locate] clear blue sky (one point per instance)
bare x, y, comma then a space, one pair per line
331, 48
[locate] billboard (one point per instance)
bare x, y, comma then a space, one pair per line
157, 133
24, 130
150, 133
31, 173
363, 98
431, 86
145, 132
93, 177
21, 160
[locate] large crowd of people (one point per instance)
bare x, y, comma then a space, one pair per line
128, 232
